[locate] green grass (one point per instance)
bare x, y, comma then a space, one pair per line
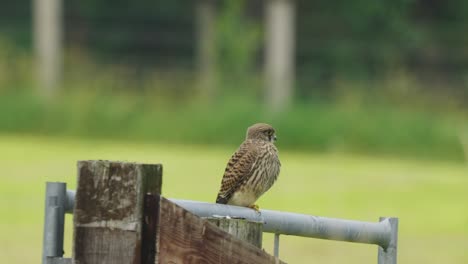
429, 197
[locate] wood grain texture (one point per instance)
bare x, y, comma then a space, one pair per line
150, 224
108, 213
184, 238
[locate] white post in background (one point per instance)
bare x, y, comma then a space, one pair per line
280, 50
48, 44
206, 53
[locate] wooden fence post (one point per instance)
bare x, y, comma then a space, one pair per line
242, 229
109, 214
182, 237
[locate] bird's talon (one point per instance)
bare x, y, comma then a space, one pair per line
255, 207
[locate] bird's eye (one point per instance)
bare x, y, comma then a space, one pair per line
269, 135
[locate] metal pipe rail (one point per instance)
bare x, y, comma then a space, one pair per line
384, 233
286, 223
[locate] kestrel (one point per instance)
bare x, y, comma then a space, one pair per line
252, 169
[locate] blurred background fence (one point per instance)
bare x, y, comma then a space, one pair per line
331, 75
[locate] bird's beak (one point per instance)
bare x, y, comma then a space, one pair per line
274, 138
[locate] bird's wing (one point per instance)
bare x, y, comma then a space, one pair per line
238, 170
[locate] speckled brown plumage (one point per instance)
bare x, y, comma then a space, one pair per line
252, 169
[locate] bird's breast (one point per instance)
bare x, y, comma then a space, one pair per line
243, 197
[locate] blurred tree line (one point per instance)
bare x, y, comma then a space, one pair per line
336, 40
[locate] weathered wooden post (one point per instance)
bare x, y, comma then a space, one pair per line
120, 217
245, 230
109, 210
182, 237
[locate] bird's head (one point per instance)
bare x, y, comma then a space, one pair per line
261, 131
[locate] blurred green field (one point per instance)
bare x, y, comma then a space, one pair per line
310, 127
429, 197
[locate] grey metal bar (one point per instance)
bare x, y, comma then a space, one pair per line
299, 224
53, 226
276, 246
54, 219
52, 260
295, 224
388, 255
383, 233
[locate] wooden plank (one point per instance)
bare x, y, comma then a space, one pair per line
108, 213
186, 238
151, 217
245, 230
